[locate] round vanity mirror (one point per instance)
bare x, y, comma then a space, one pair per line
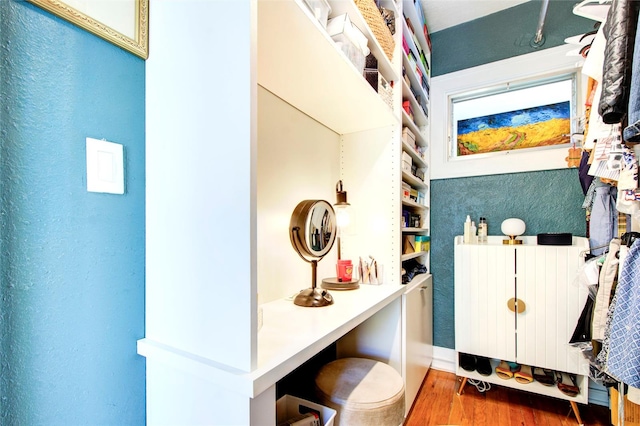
313, 231
313, 225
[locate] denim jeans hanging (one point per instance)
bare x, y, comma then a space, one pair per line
603, 223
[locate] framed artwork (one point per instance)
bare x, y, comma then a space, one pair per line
124, 23
509, 116
530, 115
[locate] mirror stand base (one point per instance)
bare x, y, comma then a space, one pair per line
313, 297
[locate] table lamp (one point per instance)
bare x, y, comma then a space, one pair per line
512, 227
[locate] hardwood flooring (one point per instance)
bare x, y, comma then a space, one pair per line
437, 404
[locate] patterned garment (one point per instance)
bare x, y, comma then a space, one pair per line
623, 361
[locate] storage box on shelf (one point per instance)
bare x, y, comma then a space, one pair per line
356, 16
351, 41
380, 85
379, 28
320, 9
290, 407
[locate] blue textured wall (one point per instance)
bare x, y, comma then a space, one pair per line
548, 201
72, 262
503, 35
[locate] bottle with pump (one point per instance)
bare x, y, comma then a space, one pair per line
482, 231
467, 230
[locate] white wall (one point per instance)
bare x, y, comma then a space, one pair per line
297, 160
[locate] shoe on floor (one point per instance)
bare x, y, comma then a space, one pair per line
503, 371
543, 376
514, 367
567, 384
483, 366
524, 375
467, 362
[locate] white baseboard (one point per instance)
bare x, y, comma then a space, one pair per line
444, 359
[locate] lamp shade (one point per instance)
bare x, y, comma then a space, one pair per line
513, 227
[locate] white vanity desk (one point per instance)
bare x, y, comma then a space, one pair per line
289, 337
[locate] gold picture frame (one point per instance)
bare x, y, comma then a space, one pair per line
135, 39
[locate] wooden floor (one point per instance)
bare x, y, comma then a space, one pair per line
438, 404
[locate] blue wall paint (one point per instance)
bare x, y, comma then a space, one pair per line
72, 262
548, 201
503, 35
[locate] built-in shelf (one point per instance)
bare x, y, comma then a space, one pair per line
414, 181
411, 13
414, 155
417, 280
412, 255
535, 387
417, 131
320, 70
412, 47
419, 117
281, 345
411, 73
411, 203
410, 230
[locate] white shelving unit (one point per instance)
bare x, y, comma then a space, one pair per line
418, 298
419, 124
283, 111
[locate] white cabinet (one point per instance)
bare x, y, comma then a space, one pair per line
542, 279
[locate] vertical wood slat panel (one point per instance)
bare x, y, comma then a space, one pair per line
547, 284
484, 283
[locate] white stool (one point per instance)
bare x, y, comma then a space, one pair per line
364, 392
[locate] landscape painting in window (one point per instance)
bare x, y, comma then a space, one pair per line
532, 117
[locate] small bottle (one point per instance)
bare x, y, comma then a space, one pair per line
474, 237
482, 231
467, 230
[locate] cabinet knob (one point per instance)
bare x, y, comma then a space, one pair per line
516, 305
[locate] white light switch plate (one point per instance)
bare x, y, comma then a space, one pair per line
105, 167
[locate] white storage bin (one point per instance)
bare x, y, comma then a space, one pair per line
408, 136
290, 406
340, 27
353, 53
320, 9
406, 157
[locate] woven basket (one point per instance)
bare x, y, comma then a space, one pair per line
374, 19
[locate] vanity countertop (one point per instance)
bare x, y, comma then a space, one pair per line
290, 336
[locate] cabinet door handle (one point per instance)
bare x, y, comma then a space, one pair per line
516, 305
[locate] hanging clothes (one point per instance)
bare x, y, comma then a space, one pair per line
620, 32
623, 361
603, 223
632, 131
607, 280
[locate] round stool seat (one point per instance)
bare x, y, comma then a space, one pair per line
364, 392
